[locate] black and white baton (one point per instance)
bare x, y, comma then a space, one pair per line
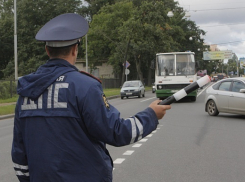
188, 89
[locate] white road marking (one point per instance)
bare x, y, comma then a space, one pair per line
154, 131
137, 145
128, 152
143, 140
150, 135
148, 99
118, 161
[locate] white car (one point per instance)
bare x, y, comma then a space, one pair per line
226, 95
132, 88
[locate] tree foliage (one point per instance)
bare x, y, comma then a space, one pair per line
120, 30
31, 16
136, 31
6, 32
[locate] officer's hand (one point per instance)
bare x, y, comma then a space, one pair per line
160, 110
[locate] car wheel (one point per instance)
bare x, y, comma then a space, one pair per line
212, 108
121, 97
143, 95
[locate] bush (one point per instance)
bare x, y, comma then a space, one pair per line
7, 89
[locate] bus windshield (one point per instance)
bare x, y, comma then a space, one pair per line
167, 66
185, 64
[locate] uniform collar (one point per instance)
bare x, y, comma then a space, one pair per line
60, 62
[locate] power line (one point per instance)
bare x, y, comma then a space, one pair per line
230, 42
222, 25
193, 4
218, 9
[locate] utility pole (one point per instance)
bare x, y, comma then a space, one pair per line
86, 40
237, 67
15, 42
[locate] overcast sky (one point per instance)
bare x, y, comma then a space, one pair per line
222, 20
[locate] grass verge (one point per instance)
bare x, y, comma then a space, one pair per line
9, 109
13, 99
5, 110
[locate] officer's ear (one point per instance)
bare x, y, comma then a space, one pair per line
74, 50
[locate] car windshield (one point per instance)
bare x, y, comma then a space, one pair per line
131, 84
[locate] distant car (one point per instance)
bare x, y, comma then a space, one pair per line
215, 79
132, 88
153, 88
220, 77
226, 95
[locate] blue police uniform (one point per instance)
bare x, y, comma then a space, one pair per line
63, 123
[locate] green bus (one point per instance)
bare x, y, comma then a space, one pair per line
173, 72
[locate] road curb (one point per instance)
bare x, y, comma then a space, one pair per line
6, 116
113, 97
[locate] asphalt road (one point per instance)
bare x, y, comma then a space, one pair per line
188, 146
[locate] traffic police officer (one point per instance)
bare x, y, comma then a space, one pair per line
63, 120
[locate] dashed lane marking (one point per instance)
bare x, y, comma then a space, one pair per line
137, 145
148, 99
143, 140
128, 152
150, 135
118, 161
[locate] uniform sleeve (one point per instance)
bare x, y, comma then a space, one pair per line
18, 151
104, 123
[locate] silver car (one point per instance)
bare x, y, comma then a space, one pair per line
132, 88
226, 95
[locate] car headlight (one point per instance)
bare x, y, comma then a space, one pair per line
160, 87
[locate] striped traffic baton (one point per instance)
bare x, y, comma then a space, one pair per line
188, 89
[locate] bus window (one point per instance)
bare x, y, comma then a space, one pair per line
165, 65
185, 64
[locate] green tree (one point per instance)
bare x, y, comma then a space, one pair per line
120, 30
136, 31
149, 35
7, 34
94, 6
31, 16
232, 65
104, 38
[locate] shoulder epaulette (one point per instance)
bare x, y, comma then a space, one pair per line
83, 72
